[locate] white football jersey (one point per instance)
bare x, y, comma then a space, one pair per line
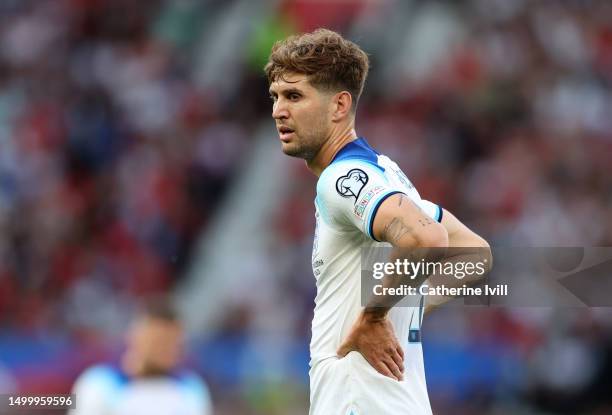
349, 192
105, 390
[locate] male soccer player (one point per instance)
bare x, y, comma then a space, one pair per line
364, 360
148, 382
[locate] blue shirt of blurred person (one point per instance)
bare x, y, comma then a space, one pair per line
147, 381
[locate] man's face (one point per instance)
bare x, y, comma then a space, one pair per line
154, 346
302, 114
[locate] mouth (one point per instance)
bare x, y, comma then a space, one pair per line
285, 133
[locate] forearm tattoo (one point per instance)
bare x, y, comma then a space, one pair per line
396, 229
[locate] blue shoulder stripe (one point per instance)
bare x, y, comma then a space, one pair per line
358, 149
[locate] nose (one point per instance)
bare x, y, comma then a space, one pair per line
279, 110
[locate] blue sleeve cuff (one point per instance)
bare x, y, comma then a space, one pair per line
440, 213
375, 210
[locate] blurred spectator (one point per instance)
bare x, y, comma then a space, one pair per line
114, 156
148, 380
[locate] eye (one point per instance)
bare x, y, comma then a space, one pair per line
294, 96
273, 98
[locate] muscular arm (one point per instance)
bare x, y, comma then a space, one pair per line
400, 222
475, 248
413, 235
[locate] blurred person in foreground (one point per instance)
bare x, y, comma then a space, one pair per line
364, 360
148, 380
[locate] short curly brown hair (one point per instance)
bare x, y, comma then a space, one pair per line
331, 62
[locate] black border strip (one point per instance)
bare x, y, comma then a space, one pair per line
375, 210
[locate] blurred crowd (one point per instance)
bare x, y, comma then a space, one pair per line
112, 162
114, 155
107, 168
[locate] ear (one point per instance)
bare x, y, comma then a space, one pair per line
342, 102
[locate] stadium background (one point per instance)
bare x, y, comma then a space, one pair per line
137, 156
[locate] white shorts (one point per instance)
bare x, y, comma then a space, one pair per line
350, 386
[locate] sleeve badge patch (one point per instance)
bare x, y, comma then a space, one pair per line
365, 200
352, 184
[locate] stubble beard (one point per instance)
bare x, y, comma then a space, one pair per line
308, 147
306, 151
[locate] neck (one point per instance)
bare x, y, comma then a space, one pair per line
330, 148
